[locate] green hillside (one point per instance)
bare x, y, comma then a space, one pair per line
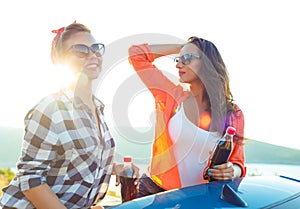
10, 145
260, 152
138, 144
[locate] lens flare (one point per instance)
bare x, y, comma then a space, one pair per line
204, 120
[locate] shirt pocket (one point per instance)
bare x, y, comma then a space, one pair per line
82, 165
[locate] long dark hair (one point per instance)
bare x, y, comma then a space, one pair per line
215, 79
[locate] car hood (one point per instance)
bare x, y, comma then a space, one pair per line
253, 192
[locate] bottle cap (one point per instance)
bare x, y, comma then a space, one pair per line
127, 159
230, 130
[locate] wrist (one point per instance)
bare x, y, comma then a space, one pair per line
237, 171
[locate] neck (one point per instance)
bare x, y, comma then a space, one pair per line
82, 88
197, 89
197, 92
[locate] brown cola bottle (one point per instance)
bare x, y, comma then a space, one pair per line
128, 188
221, 151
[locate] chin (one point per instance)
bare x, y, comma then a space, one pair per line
92, 74
184, 81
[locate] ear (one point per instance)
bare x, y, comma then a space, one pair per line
59, 58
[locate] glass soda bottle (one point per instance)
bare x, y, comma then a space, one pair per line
128, 189
221, 151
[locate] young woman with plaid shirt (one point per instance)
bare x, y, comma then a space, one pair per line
67, 152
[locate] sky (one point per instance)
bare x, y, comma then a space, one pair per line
258, 40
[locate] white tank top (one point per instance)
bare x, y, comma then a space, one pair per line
191, 147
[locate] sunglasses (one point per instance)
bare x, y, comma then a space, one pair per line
82, 51
186, 58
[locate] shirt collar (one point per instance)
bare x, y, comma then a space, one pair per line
98, 104
79, 103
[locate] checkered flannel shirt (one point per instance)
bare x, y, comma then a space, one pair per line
64, 148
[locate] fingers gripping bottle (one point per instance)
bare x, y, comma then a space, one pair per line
221, 151
128, 188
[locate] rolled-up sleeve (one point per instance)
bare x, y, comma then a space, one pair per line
38, 148
238, 154
140, 56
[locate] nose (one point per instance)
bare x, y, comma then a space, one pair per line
91, 54
179, 64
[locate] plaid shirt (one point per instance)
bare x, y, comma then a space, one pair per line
64, 148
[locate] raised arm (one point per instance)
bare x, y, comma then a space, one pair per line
159, 50
141, 58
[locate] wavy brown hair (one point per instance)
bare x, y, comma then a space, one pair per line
214, 76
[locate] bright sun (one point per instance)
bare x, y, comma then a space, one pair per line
62, 76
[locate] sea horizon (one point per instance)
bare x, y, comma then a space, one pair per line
253, 169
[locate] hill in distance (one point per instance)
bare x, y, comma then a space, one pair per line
137, 142
260, 152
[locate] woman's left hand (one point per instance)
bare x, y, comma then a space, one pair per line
222, 172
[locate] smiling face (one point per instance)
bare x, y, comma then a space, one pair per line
188, 72
91, 65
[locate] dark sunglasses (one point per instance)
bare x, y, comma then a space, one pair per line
186, 58
82, 51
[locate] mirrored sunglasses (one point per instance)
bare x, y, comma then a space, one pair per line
186, 58
82, 51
